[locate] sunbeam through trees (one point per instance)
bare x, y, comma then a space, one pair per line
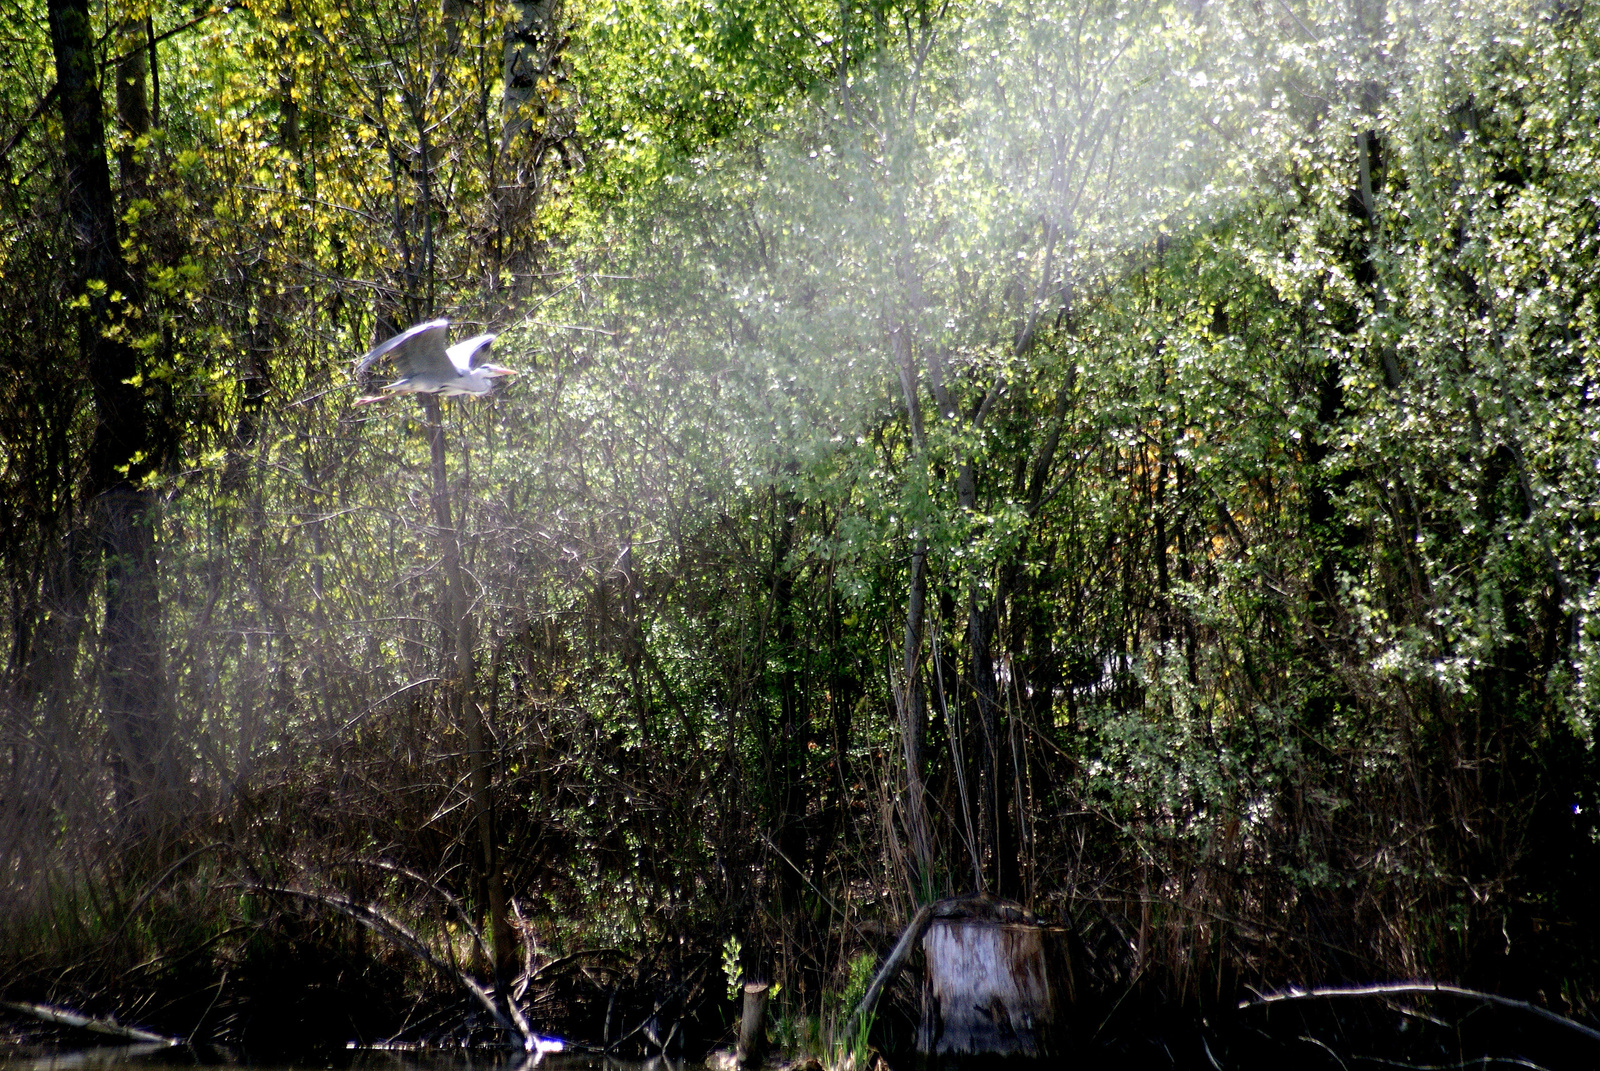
1134, 464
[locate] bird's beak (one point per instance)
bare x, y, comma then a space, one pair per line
497, 370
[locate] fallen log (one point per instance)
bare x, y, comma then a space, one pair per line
67, 1017
1414, 988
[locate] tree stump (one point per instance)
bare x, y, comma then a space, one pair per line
996, 983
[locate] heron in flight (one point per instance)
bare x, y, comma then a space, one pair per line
427, 366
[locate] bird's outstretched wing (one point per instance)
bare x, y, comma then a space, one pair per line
415, 351
468, 354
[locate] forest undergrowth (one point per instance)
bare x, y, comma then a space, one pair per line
1136, 461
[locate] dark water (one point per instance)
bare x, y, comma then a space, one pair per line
167, 1058
1325, 1036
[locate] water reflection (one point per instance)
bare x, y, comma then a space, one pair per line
100, 1058
159, 1057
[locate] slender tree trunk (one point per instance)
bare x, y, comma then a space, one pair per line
913, 722
254, 373
794, 736
991, 788
459, 639
996, 839
131, 683
908, 696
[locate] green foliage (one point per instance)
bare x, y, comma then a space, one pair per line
862, 969
1268, 488
731, 969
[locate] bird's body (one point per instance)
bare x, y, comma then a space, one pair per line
427, 366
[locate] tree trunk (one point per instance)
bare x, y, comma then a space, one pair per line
133, 109
996, 836
913, 724
792, 745
121, 452
131, 681
529, 56
908, 696
994, 986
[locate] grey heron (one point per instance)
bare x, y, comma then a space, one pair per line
427, 366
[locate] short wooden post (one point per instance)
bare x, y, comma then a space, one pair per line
753, 1025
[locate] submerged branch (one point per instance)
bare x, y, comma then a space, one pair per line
1391, 988
381, 924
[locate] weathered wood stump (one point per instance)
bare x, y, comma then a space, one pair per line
997, 982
